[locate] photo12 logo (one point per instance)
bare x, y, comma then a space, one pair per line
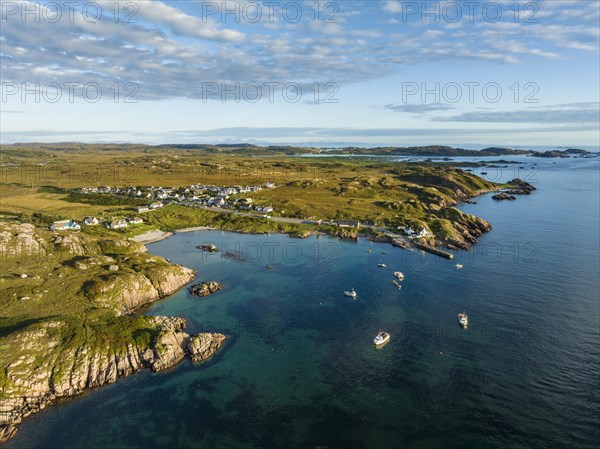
454, 11
54, 92
269, 11
468, 91
69, 11
253, 92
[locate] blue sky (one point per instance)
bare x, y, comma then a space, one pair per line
387, 72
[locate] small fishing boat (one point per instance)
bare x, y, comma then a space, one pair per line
463, 319
459, 266
398, 275
381, 338
397, 284
369, 250
351, 293
382, 265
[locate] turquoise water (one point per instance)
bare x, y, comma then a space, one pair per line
299, 369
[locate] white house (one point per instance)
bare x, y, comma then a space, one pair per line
270, 185
142, 209
267, 209
116, 224
65, 225
422, 233
155, 205
90, 221
135, 220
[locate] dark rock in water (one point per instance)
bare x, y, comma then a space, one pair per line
211, 248
522, 186
503, 196
205, 288
238, 257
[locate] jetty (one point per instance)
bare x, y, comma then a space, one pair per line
432, 250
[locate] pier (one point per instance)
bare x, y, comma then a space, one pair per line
432, 250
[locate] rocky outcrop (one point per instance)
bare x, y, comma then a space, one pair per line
200, 347
205, 288
127, 291
70, 371
211, 248
503, 196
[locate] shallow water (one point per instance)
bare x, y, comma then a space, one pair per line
299, 368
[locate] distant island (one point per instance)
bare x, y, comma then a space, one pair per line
257, 150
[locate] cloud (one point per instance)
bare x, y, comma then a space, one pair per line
418, 108
392, 6
576, 113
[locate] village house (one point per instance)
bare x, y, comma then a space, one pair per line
116, 224
142, 209
155, 205
65, 225
134, 220
90, 221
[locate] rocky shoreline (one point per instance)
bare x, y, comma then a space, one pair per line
59, 355
94, 369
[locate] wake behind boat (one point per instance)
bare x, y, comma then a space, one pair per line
381, 339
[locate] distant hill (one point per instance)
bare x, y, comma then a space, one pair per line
289, 150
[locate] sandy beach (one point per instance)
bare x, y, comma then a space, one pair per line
151, 236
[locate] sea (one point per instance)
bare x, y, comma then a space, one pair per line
299, 369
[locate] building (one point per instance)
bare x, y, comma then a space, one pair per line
135, 220
90, 221
349, 224
142, 209
116, 224
422, 233
270, 185
155, 205
65, 225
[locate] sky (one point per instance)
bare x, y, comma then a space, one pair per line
319, 73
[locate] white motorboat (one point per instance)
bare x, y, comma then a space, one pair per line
382, 265
381, 338
459, 266
398, 275
351, 293
463, 319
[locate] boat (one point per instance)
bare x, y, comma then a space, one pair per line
351, 293
369, 250
459, 266
463, 319
397, 284
484, 173
381, 338
382, 265
398, 275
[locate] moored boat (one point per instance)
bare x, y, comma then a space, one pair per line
351, 293
382, 265
398, 275
463, 319
459, 266
381, 338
